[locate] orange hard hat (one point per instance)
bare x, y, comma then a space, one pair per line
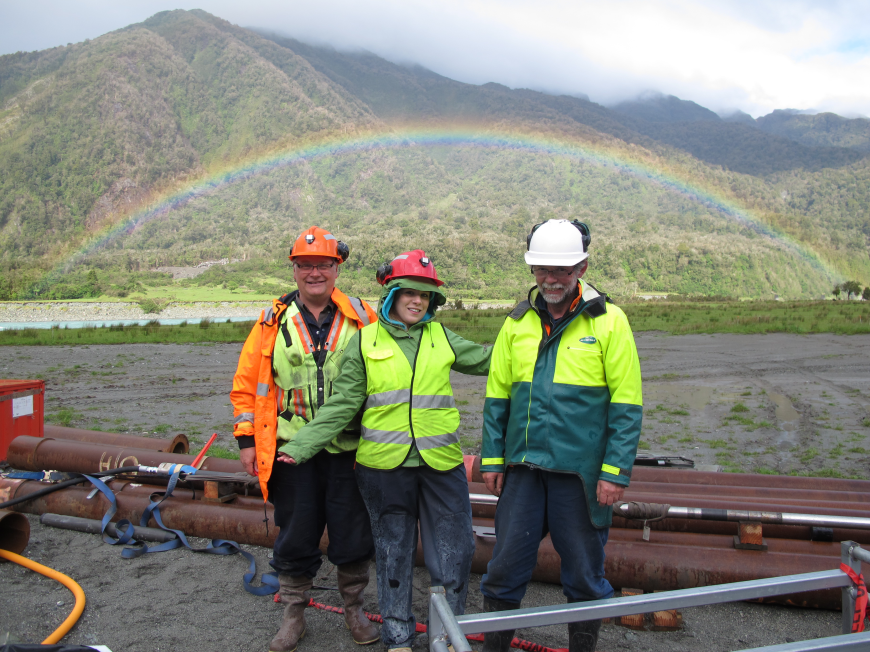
319, 242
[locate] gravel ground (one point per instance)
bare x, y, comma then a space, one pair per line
806, 400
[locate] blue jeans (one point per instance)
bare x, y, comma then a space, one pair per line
534, 502
396, 499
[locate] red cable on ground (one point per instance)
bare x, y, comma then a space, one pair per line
421, 629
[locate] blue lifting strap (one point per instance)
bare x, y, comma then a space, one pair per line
269, 581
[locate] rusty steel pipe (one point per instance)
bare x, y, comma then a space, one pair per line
133, 488
194, 518
676, 561
178, 444
672, 476
39, 454
666, 567
14, 532
773, 504
671, 524
688, 476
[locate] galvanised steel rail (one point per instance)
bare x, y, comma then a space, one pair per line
446, 628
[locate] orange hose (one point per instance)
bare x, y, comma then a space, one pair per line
68, 582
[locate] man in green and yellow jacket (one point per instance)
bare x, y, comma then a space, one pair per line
562, 421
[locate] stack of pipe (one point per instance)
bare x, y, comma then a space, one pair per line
681, 553
178, 444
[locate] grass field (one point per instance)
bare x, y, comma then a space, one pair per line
152, 333
840, 317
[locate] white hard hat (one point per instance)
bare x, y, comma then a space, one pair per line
558, 242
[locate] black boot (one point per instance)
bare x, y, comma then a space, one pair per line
583, 637
498, 641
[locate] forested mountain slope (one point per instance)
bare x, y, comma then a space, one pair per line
91, 132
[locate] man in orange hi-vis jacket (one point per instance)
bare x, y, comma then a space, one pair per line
285, 374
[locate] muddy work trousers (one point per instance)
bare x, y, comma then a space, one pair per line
307, 497
396, 499
534, 502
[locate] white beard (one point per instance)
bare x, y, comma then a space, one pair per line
565, 287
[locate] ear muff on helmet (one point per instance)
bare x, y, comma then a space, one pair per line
584, 230
383, 272
580, 226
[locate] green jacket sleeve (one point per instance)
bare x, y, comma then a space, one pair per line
471, 358
497, 406
625, 413
348, 397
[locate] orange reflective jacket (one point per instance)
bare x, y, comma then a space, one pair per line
255, 395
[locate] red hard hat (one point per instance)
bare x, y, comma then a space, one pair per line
411, 264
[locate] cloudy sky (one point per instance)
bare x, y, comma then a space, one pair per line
751, 55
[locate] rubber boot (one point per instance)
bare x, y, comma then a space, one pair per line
352, 581
295, 597
498, 641
583, 637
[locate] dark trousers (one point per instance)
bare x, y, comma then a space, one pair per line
396, 499
532, 503
307, 497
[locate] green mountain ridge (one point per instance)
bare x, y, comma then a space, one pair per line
90, 131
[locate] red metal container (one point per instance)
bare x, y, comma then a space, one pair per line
22, 410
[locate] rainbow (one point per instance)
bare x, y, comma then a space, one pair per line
622, 161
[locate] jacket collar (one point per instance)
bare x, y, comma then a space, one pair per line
589, 301
339, 298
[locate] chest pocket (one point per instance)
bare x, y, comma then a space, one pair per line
580, 363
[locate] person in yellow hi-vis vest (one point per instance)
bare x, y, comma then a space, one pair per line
285, 374
409, 462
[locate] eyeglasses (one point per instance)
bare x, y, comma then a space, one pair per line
558, 272
307, 268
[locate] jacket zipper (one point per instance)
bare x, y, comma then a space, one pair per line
545, 339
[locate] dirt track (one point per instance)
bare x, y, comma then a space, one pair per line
781, 402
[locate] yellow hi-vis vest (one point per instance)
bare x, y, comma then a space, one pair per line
299, 380
407, 404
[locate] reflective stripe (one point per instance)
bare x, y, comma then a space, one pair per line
491, 461
302, 329
437, 441
607, 468
328, 236
401, 257
385, 436
243, 417
357, 305
269, 313
392, 397
262, 389
335, 331
434, 401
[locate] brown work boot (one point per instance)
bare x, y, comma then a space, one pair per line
352, 581
294, 595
